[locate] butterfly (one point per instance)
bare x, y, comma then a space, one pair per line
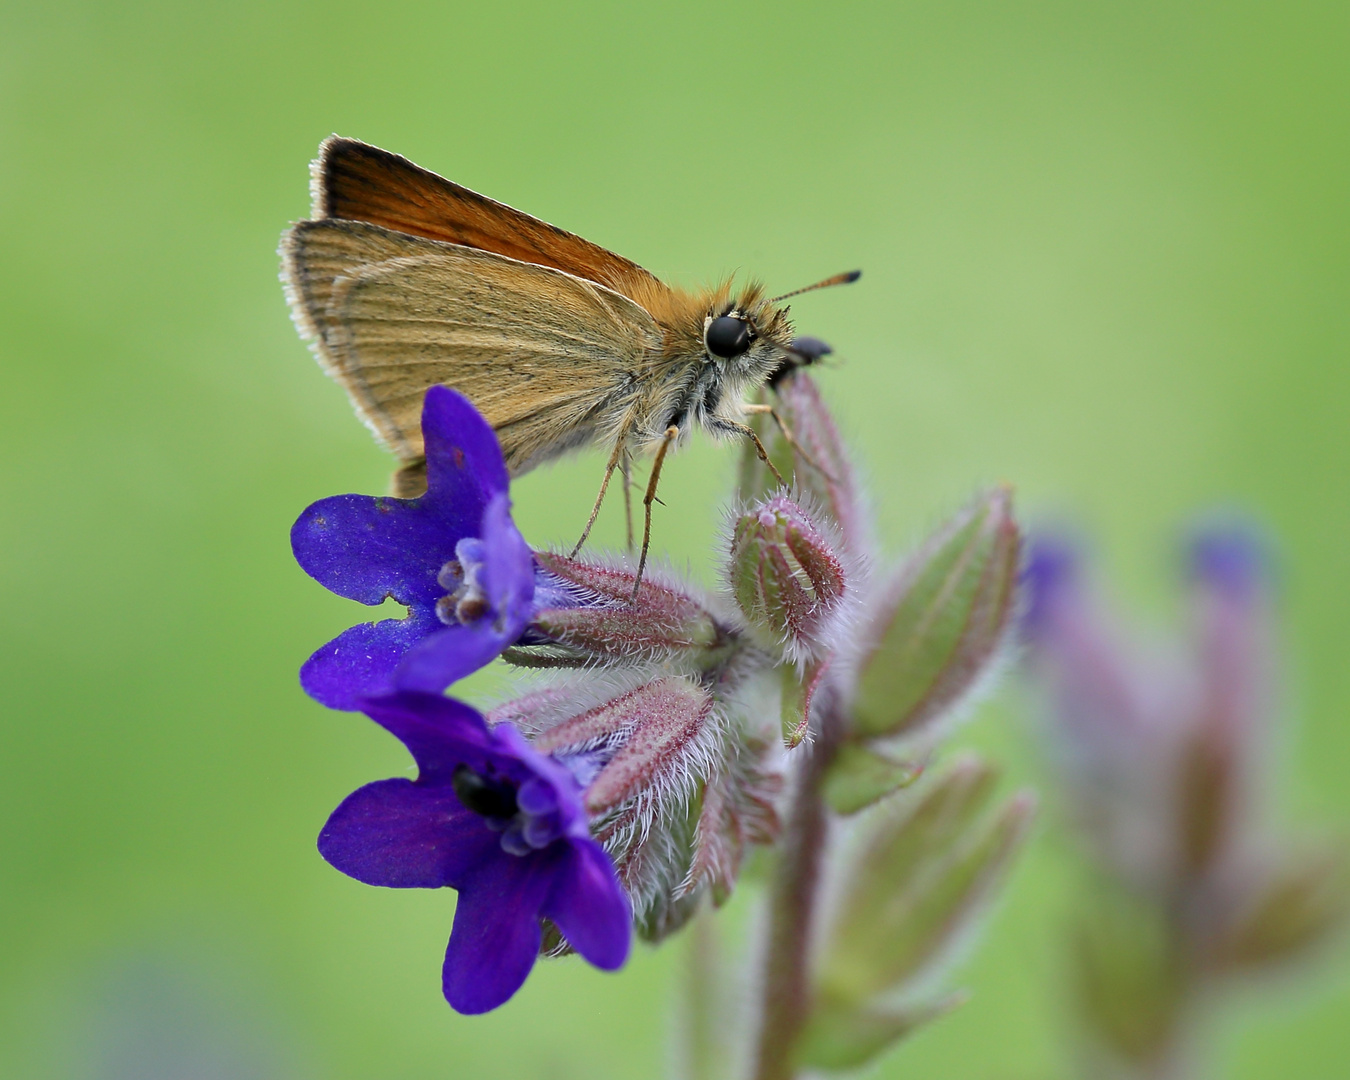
402, 279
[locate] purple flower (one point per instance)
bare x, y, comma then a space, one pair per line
492, 817
1232, 558
453, 557
1049, 578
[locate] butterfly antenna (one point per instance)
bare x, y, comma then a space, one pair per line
838, 279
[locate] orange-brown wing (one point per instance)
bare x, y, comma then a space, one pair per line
543, 355
359, 182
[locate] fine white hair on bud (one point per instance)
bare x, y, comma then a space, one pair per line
675, 777
590, 615
790, 576
817, 456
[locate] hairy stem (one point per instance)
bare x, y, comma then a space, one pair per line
786, 985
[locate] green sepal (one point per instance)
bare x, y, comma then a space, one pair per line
941, 620
844, 1037
921, 881
798, 690
861, 775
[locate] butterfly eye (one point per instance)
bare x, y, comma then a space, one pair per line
727, 336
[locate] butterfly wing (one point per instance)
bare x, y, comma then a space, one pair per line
359, 182
541, 353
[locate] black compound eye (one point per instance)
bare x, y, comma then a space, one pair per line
727, 336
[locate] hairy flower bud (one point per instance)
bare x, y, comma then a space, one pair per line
675, 787
786, 576
940, 625
816, 457
588, 612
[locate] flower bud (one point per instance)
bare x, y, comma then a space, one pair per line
861, 775
673, 787
919, 885
1224, 750
786, 576
939, 626
844, 1039
1131, 980
827, 475
587, 612
740, 808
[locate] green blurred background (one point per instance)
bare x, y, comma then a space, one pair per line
1106, 252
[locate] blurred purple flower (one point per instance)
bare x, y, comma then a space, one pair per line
1049, 577
1230, 557
1163, 746
492, 817
1118, 714
453, 557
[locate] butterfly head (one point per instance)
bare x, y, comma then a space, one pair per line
744, 334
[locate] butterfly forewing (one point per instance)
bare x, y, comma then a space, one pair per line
359, 182
539, 352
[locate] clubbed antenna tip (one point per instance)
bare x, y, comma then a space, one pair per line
847, 278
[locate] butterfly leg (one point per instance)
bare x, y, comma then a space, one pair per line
672, 433
722, 424
628, 499
600, 498
788, 437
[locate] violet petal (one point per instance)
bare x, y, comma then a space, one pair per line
439, 732
1231, 558
545, 769
589, 907
537, 796
464, 460
1049, 576
496, 935
366, 548
403, 835
361, 661
508, 570
449, 654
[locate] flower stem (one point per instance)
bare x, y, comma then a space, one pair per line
702, 1040
792, 908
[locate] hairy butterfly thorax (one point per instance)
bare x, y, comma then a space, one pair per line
717, 346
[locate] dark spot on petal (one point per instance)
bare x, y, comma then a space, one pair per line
459, 456
489, 798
